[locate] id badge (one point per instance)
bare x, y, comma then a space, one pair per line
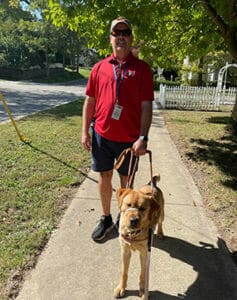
117, 112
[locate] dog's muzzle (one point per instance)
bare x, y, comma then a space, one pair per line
134, 220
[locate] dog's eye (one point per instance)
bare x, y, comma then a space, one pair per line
142, 209
129, 205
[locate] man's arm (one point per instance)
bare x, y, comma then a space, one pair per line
87, 116
139, 147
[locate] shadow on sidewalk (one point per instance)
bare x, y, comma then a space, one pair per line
209, 263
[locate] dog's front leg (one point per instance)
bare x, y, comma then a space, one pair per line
126, 256
143, 257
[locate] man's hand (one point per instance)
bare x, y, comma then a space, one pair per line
139, 147
86, 141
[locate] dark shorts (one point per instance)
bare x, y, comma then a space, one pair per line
105, 152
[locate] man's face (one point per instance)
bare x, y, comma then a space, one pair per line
121, 40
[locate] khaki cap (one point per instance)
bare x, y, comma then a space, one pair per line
120, 20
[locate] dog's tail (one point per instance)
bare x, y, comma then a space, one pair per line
154, 180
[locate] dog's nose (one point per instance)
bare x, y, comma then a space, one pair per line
134, 221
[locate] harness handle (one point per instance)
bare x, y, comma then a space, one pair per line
132, 170
133, 167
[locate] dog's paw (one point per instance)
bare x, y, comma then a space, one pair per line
119, 292
142, 294
160, 236
159, 233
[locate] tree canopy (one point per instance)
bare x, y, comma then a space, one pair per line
169, 30
27, 38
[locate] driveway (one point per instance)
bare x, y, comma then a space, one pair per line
24, 97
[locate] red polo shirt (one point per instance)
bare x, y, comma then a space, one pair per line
136, 86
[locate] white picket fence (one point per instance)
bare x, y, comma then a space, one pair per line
194, 98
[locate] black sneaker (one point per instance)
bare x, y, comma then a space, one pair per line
105, 225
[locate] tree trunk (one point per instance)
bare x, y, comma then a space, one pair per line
200, 72
227, 31
234, 116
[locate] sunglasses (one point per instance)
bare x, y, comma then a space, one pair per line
122, 32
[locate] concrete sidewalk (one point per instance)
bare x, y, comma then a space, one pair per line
191, 263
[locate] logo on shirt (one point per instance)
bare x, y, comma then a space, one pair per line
131, 73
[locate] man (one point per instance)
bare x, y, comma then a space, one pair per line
119, 101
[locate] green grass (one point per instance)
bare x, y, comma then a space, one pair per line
206, 144
36, 183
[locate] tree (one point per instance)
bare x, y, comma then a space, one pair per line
27, 38
43, 37
13, 51
223, 14
169, 28
226, 21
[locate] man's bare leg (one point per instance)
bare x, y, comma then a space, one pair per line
123, 180
105, 191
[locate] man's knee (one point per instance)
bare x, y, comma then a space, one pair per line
106, 175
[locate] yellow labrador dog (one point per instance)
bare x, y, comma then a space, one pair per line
139, 210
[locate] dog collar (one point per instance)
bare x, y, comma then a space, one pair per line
129, 237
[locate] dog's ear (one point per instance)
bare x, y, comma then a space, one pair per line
120, 194
154, 207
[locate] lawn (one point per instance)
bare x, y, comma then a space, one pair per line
37, 182
208, 148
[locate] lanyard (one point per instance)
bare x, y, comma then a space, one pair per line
120, 78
